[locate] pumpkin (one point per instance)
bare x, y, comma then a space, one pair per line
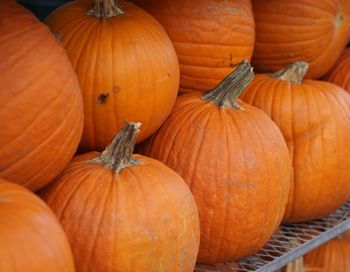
209, 37
41, 112
235, 161
126, 213
126, 66
340, 73
32, 239
333, 256
295, 266
314, 117
300, 30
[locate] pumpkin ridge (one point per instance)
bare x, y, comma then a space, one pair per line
179, 127
87, 196
226, 202
254, 125
189, 180
52, 161
207, 44
99, 220
171, 205
61, 214
33, 121
234, 124
8, 167
79, 26
22, 31
260, 144
200, 144
75, 35
92, 94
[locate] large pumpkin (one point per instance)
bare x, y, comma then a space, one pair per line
314, 117
31, 238
234, 159
126, 213
209, 36
300, 30
340, 73
41, 113
333, 256
126, 66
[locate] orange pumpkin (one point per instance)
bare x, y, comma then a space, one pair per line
314, 117
236, 163
300, 30
126, 213
126, 66
41, 112
209, 36
32, 239
333, 256
340, 73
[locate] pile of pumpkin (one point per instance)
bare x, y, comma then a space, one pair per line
223, 164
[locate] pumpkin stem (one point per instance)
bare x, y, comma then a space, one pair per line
294, 72
225, 95
118, 154
104, 9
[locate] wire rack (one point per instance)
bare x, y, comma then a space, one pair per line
291, 242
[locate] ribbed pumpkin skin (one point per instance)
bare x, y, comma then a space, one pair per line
300, 30
340, 73
237, 166
210, 37
314, 119
41, 112
32, 239
142, 219
128, 57
333, 256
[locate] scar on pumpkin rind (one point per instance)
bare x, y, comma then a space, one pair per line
102, 98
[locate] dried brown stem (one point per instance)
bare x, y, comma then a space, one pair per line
227, 92
294, 72
118, 153
104, 9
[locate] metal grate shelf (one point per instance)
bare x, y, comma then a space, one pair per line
291, 242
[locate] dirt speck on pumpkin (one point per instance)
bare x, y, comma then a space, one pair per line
102, 98
58, 36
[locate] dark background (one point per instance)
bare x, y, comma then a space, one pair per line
42, 8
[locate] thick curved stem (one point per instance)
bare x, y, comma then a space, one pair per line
227, 92
294, 72
118, 153
105, 9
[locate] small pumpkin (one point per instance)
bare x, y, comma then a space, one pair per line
41, 112
333, 256
126, 66
340, 73
32, 239
235, 161
314, 117
209, 37
300, 30
126, 213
